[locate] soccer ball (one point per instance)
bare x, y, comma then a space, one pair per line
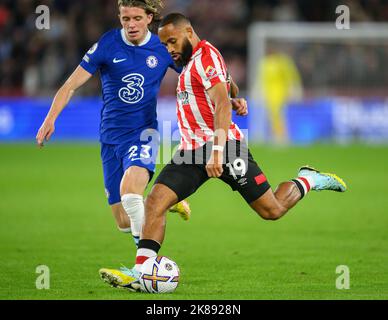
159, 275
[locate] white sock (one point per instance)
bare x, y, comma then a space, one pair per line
142, 255
304, 185
310, 180
134, 207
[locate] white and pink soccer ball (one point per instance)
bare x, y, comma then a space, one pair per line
159, 275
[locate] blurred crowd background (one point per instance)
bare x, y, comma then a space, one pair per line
35, 62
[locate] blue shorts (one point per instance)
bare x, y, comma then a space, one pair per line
116, 159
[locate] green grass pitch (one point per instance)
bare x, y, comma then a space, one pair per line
53, 212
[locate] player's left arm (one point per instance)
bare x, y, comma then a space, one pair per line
222, 119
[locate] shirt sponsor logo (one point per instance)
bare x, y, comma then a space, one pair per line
133, 92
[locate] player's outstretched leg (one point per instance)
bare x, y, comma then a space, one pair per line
274, 205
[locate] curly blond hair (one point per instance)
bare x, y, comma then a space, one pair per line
153, 7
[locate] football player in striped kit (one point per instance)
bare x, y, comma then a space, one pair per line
212, 146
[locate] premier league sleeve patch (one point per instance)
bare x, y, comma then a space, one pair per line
93, 48
212, 73
93, 59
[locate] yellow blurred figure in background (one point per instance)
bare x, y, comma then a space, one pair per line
280, 82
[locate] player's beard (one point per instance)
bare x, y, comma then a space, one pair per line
187, 52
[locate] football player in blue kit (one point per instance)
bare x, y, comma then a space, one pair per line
132, 63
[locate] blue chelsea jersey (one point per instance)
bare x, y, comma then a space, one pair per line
131, 77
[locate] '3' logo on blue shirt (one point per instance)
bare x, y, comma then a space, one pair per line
133, 92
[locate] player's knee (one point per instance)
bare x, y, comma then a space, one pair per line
134, 180
272, 214
269, 216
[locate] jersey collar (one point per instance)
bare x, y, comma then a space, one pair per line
197, 50
145, 41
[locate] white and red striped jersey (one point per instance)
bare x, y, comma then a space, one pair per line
195, 110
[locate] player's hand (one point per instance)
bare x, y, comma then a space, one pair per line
214, 165
240, 105
45, 132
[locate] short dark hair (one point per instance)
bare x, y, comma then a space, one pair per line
175, 19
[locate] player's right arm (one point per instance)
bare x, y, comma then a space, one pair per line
91, 62
61, 99
218, 94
